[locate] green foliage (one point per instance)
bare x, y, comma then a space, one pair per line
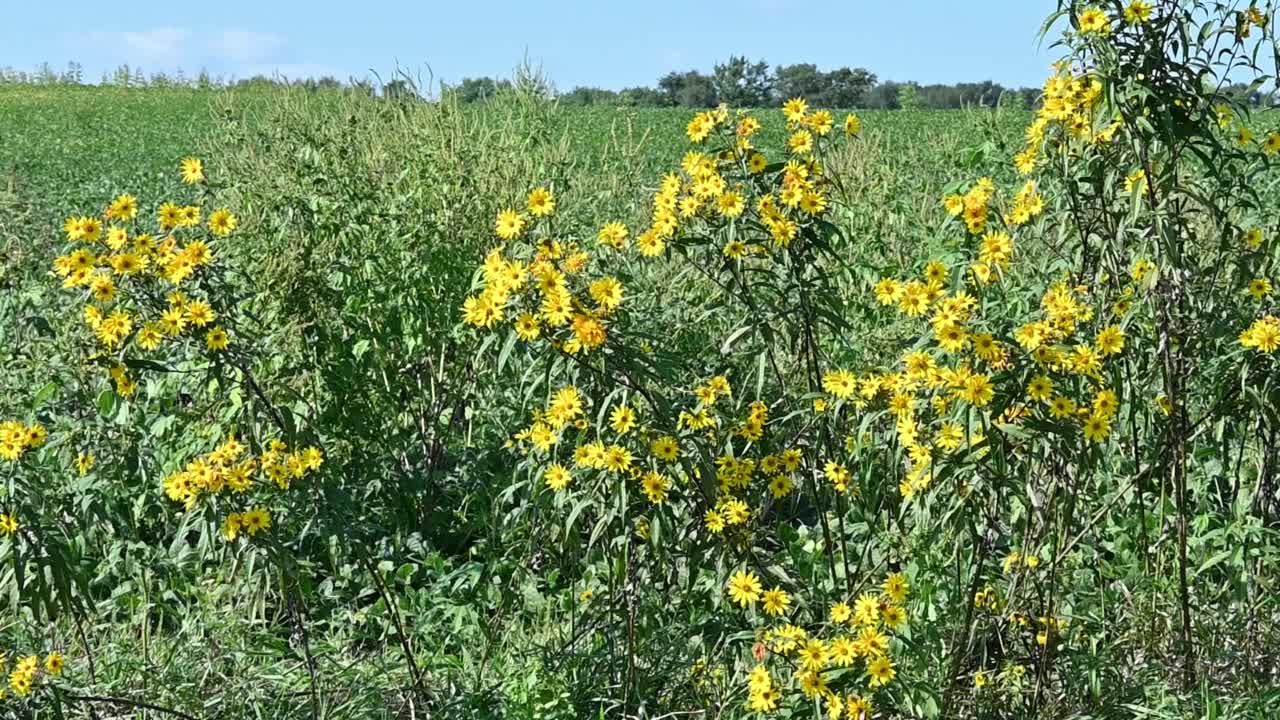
425, 569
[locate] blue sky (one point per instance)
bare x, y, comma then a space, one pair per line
576, 42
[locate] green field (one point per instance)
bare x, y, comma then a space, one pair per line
426, 566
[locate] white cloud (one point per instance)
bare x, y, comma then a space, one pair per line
164, 45
245, 46
231, 50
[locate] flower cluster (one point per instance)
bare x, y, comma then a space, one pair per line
124, 270
557, 304
1263, 335
861, 633
229, 469
541, 285
17, 438
25, 676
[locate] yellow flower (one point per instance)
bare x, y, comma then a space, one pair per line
852, 125
895, 587
744, 588
124, 207
607, 292
613, 234
977, 391
714, 521
838, 475
1263, 335
776, 601
655, 487
509, 224
840, 613
813, 656
557, 477
1137, 12
217, 339
800, 142
617, 459
199, 313
730, 204
222, 222
192, 170
1110, 340
880, 671
9, 524
1094, 21
1096, 427
866, 610
1040, 388
795, 109
231, 526
477, 310
256, 520
700, 127
665, 448
893, 617
840, 383
541, 202
527, 327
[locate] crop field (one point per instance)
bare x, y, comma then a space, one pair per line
320, 404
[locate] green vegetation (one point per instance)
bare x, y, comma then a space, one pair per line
956, 414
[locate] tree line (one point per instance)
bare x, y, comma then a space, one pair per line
737, 82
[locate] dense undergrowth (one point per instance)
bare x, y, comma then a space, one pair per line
920, 415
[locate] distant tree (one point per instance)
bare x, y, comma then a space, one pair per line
939, 97
984, 94
845, 88
398, 89
589, 96
120, 76
642, 97
472, 90
884, 96
1013, 100
690, 89
909, 97
316, 84
802, 81
45, 75
73, 75
257, 82
743, 84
